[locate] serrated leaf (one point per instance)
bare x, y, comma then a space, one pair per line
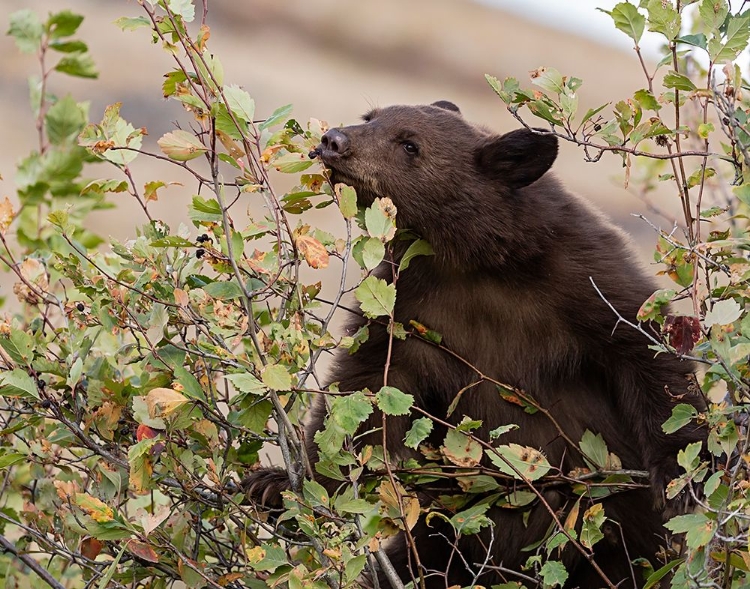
380, 219
627, 19
79, 64
240, 102
276, 377
647, 100
349, 411
246, 383
529, 462
17, 383
663, 18
347, 198
461, 449
713, 13
63, 24
372, 252
313, 251
131, 24
595, 448
64, 120
698, 529
26, 30
392, 401
266, 557
593, 519
278, 116
376, 297
181, 146
679, 82
723, 313
736, 38
553, 573
472, 520
183, 8
418, 432
682, 414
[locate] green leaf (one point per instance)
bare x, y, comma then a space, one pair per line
627, 19
12, 458
63, 24
380, 219
64, 120
548, 79
713, 13
26, 29
376, 297
347, 200
240, 103
291, 163
553, 573
269, 558
349, 411
663, 18
373, 252
698, 40
316, 494
529, 462
223, 290
420, 429
131, 24
184, 8
461, 449
593, 519
738, 32
172, 241
17, 383
392, 401
723, 313
689, 457
654, 578
19, 346
682, 414
647, 100
651, 308
278, 115
246, 383
472, 520
595, 448
79, 64
276, 377
696, 526
181, 145
503, 429
69, 46
679, 82
420, 247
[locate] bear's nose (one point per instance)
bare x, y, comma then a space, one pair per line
334, 141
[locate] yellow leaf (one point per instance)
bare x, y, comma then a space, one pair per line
6, 215
161, 402
314, 252
97, 509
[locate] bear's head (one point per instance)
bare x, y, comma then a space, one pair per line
442, 173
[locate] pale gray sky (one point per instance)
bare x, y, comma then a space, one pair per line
581, 17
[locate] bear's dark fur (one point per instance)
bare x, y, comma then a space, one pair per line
508, 288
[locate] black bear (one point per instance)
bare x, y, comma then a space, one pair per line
510, 289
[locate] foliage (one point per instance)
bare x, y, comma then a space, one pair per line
140, 380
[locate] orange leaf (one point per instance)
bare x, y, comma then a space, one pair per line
161, 402
144, 432
91, 547
314, 252
6, 215
96, 508
142, 551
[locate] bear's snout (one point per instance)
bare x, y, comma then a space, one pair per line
333, 144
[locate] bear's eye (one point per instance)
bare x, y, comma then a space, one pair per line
410, 147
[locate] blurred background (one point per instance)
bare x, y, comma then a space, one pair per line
334, 59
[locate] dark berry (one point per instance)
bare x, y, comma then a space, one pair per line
199, 252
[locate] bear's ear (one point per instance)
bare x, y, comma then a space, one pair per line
447, 105
517, 158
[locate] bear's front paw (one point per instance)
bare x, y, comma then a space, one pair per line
264, 487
